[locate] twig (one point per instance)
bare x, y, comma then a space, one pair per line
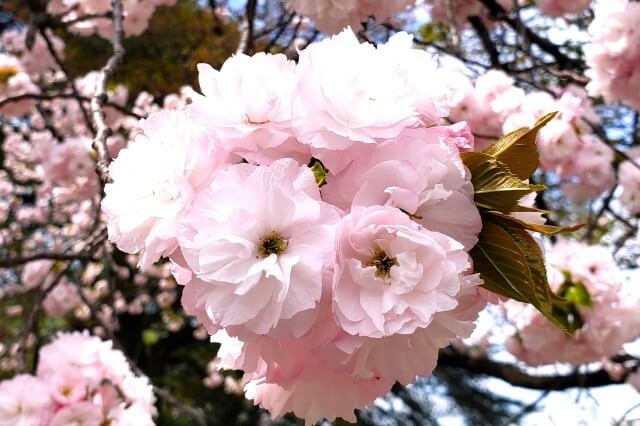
51, 97
52, 50
594, 222
100, 96
17, 261
498, 12
487, 43
248, 25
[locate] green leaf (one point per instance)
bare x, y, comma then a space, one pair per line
496, 188
518, 150
512, 264
536, 227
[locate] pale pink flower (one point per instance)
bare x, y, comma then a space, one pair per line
34, 273
155, 180
392, 275
403, 357
353, 95
25, 401
248, 104
614, 52
68, 386
611, 321
592, 165
38, 59
69, 164
341, 394
62, 299
257, 240
418, 172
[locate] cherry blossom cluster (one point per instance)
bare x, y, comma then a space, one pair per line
331, 16
613, 53
568, 145
317, 216
607, 312
80, 380
36, 60
93, 17
493, 105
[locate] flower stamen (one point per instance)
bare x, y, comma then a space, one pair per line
383, 263
272, 243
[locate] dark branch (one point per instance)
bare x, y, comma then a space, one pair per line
515, 376
51, 97
500, 13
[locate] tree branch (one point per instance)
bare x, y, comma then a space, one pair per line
64, 257
100, 97
515, 376
487, 43
248, 25
498, 12
51, 97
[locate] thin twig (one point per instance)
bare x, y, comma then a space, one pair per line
65, 257
54, 53
245, 44
53, 96
100, 96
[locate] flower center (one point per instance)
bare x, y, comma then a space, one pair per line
272, 243
382, 262
7, 72
66, 391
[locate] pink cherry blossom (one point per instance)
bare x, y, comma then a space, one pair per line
62, 299
70, 165
418, 172
392, 275
155, 180
248, 104
538, 342
25, 401
257, 240
403, 357
613, 54
352, 95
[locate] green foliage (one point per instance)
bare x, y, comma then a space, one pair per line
507, 257
496, 187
